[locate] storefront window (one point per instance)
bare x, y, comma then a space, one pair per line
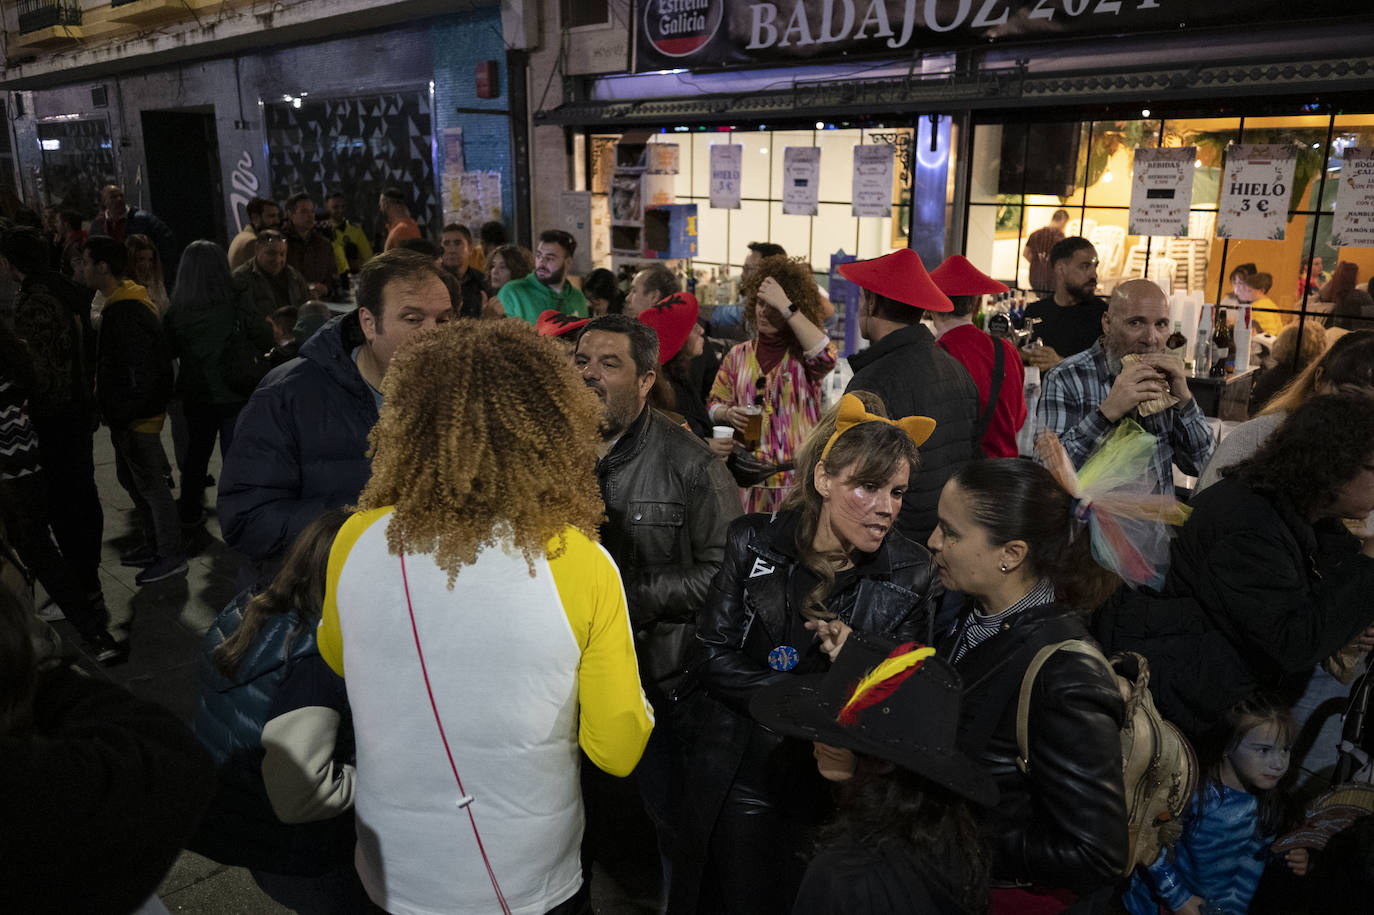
724, 234
76, 157
1008, 201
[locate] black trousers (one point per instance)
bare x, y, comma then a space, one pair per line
66, 446
204, 422
758, 849
24, 507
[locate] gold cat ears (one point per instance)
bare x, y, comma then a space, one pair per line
852, 413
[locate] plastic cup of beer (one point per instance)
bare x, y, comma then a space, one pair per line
722, 432
753, 427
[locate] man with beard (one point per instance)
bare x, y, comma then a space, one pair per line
1086, 395
1071, 319
351, 248
547, 287
307, 249
668, 506
263, 214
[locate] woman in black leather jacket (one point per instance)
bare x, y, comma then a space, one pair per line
752, 796
1007, 538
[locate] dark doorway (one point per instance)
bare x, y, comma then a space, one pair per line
182, 151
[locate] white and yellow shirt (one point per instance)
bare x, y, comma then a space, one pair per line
523, 670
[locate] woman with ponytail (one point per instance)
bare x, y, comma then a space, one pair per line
830, 554
1008, 538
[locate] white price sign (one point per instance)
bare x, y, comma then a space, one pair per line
726, 165
1255, 190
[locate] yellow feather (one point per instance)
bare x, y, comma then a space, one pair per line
889, 668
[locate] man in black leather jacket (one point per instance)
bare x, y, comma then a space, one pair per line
669, 502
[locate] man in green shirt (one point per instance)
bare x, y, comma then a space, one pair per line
547, 287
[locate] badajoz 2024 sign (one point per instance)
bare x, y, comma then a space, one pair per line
704, 34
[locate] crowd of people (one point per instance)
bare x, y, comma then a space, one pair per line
520, 546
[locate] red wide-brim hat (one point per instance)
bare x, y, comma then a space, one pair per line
672, 320
958, 276
553, 323
899, 276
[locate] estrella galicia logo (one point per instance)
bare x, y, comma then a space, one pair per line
678, 28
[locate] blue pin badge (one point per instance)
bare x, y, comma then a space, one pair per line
783, 658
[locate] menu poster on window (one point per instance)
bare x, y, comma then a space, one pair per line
1162, 191
1354, 223
726, 165
662, 159
626, 203
1255, 190
872, 190
452, 139
470, 199
801, 180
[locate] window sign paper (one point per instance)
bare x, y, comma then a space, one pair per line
1255, 191
1353, 226
801, 180
662, 159
872, 189
726, 162
1162, 191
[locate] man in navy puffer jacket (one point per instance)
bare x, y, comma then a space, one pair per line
300, 446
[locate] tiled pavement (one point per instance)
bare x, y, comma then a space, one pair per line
164, 623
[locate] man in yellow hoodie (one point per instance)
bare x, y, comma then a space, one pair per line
133, 382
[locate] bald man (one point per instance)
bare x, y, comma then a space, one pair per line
1088, 394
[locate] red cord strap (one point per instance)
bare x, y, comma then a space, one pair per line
465, 801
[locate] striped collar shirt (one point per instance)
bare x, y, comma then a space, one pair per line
977, 628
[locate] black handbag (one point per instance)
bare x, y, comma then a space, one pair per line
241, 364
749, 470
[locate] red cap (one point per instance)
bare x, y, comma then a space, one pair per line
899, 276
553, 323
672, 320
958, 276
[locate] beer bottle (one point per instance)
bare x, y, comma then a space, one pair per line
1221, 344
1177, 344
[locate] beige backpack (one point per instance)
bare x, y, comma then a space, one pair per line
1158, 765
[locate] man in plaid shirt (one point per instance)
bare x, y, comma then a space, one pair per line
1086, 395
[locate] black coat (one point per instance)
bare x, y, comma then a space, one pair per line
891, 879
471, 286
747, 614
914, 377
1061, 824
669, 501
1255, 598
99, 796
300, 446
133, 365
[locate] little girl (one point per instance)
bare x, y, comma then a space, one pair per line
1216, 864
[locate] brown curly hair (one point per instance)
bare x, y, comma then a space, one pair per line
794, 276
484, 437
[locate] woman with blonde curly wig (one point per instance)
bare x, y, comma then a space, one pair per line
481, 630
778, 371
